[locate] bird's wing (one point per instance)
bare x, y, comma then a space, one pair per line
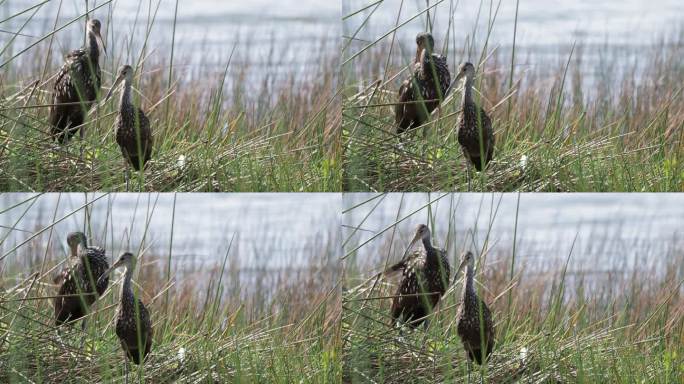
95, 250
447, 267
62, 86
63, 81
62, 275
486, 121
62, 78
445, 78
405, 95
394, 268
144, 126
406, 262
146, 134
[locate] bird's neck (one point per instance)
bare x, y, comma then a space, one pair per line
125, 101
425, 63
469, 288
427, 243
127, 287
431, 257
93, 48
468, 91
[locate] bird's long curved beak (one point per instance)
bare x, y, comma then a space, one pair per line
101, 43
410, 246
461, 267
111, 90
419, 51
109, 271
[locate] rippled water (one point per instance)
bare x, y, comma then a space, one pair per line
617, 229
546, 29
273, 231
276, 38
541, 23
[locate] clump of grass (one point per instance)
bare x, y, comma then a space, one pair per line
280, 327
578, 318
560, 125
212, 131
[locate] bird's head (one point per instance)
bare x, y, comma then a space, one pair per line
467, 260
422, 234
124, 74
76, 239
424, 41
465, 71
126, 260
93, 27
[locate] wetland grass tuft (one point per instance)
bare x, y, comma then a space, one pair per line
616, 124
559, 318
212, 132
213, 321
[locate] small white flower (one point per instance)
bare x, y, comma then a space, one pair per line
523, 162
181, 162
181, 354
523, 354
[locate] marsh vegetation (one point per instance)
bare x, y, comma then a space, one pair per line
225, 116
577, 116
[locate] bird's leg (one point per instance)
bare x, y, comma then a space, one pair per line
468, 176
469, 364
125, 368
81, 135
126, 174
83, 333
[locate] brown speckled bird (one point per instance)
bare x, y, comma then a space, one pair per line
77, 86
475, 132
427, 86
80, 280
425, 277
475, 326
133, 133
133, 324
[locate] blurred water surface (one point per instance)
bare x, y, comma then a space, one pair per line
601, 232
541, 23
546, 29
278, 38
272, 231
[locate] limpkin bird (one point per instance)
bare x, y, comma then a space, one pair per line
475, 132
77, 86
133, 133
427, 86
82, 281
475, 326
133, 324
425, 277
